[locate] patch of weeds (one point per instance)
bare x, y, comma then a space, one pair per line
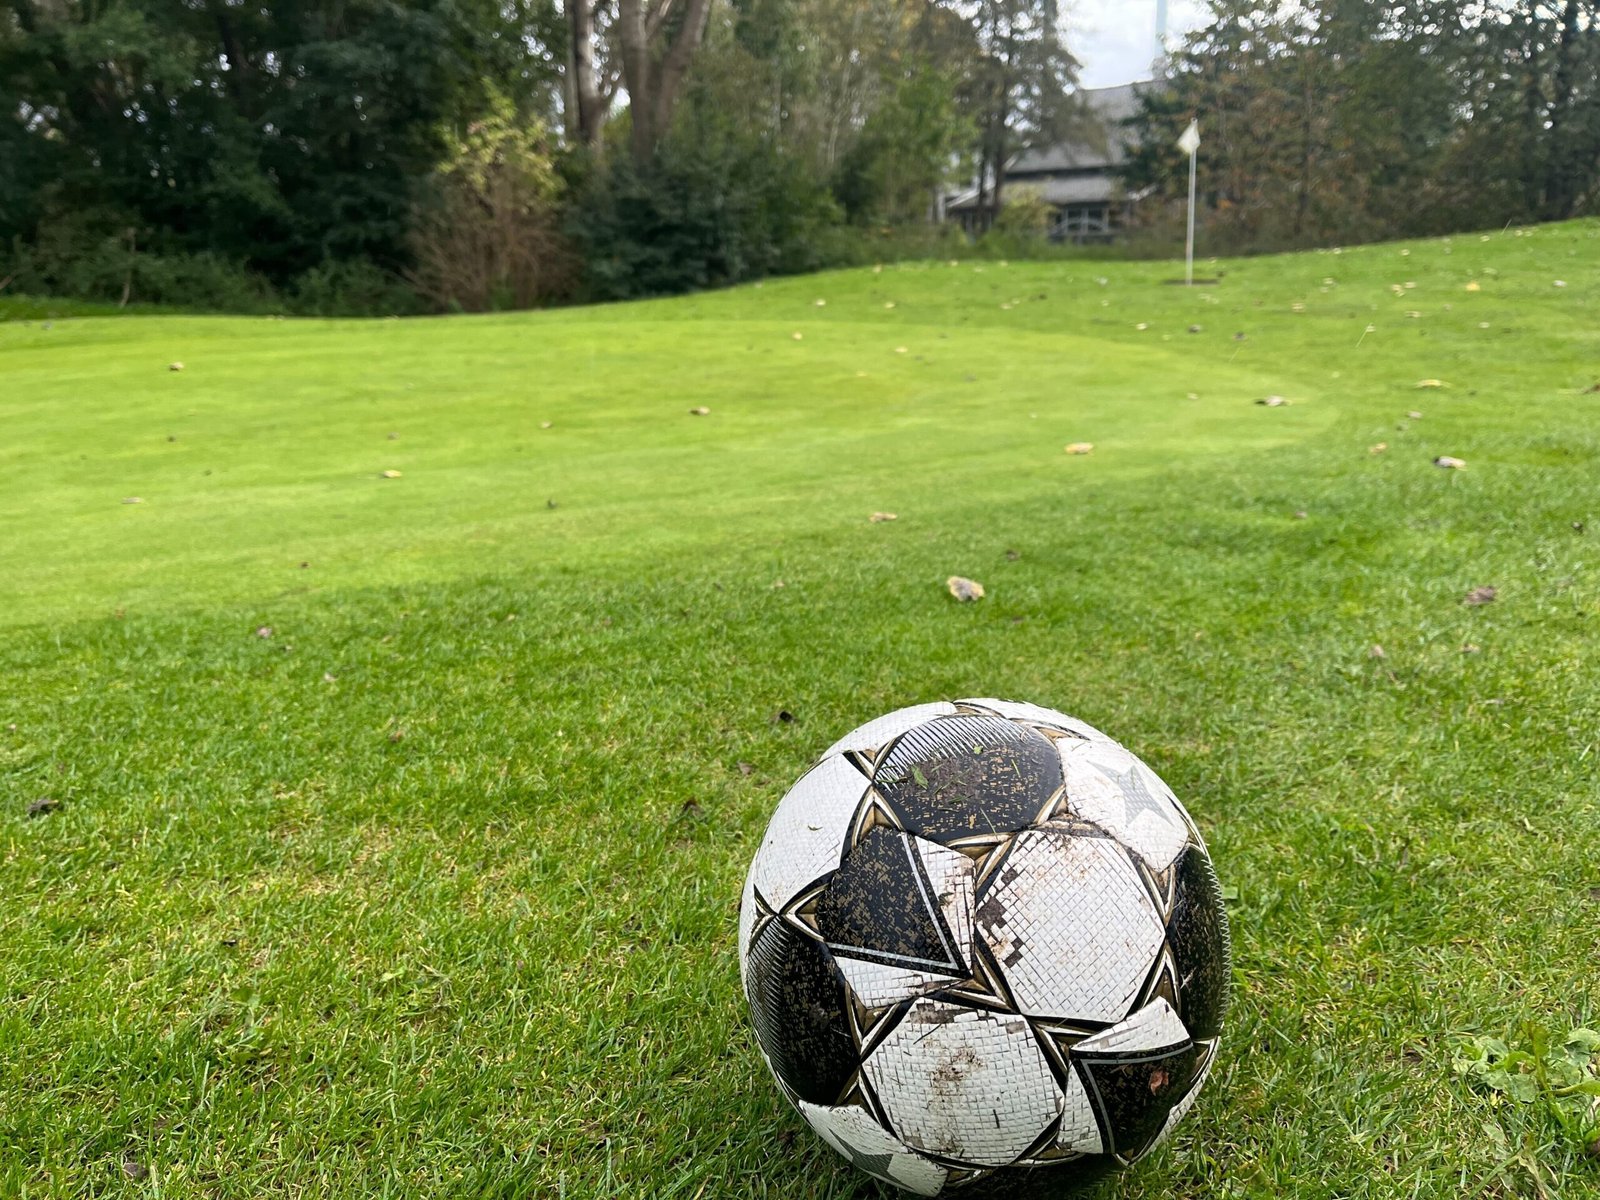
1562, 1077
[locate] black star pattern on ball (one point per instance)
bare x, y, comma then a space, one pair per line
1138, 798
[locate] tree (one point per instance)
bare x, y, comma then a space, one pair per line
489, 236
278, 137
655, 41
1020, 91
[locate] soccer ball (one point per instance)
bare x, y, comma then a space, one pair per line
982, 940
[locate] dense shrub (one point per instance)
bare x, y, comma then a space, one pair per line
715, 206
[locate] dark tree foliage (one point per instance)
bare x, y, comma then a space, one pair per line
280, 137
1349, 119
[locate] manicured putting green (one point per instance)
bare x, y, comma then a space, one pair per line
395, 825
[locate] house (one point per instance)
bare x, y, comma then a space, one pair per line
1075, 178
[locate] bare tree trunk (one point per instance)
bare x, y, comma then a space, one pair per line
586, 110
669, 79
653, 82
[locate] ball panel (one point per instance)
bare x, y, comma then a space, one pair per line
1154, 1027
797, 1003
878, 986
1133, 1095
806, 835
1109, 786
964, 1084
1136, 1072
1208, 1055
1080, 1130
880, 905
1198, 935
1071, 925
962, 776
856, 1135
881, 730
1038, 715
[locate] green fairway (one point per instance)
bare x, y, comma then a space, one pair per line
399, 822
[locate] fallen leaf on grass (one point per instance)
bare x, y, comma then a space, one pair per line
42, 806
1469, 648
1080, 447
1142, 326
745, 768
700, 411
175, 366
1013, 555
822, 303
264, 631
1560, 283
1474, 286
797, 335
1426, 384
1480, 595
1414, 415
133, 499
888, 303
1300, 514
1272, 401
1378, 449
389, 474
545, 424
1376, 651
879, 517
1449, 463
964, 590
900, 350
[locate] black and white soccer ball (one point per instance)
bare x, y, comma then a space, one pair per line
982, 940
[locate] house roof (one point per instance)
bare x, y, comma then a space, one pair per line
1089, 189
1110, 106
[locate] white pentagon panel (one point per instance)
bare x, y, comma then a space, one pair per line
951, 873
853, 1133
877, 985
1108, 785
964, 1083
1040, 715
1071, 925
807, 834
1080, 1132
881, 730
1153, 1027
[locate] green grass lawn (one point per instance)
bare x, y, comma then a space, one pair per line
400, 822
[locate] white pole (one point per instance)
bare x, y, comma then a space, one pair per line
1188, 265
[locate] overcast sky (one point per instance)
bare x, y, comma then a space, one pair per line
1115, 40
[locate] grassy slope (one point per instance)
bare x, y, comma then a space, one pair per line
432, 890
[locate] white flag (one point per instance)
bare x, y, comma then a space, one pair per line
1190, 141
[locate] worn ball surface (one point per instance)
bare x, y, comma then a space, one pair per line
981, 940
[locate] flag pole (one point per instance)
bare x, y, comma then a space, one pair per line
1190, 141
1188, 266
